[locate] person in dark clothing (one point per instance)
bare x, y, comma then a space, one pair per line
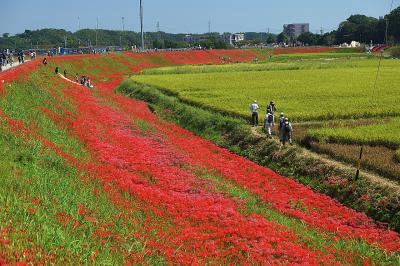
65, 73
44, 61
57, 70
287, 132
271, 107
281, 123
22, 57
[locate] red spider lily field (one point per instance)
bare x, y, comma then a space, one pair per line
89, 176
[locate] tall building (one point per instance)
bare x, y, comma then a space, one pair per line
295, 30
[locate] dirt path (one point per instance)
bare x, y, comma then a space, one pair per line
374, 178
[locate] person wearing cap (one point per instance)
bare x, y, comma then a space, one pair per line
254, 113
287, 132
281, 123
269, 123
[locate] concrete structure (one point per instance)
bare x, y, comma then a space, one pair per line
235, 38
293, 31
355, 44
196, 38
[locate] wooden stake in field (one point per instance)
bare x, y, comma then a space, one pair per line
358, 169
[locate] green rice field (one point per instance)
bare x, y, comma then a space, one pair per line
343, 90
307, 88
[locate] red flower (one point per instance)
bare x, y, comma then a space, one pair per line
32, 210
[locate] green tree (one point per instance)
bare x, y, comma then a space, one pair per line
394, 24
271, 38
282, 38
308, 38
158, 44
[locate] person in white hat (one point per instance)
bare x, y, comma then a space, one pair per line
254, 113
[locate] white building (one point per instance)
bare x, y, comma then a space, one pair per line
235, 38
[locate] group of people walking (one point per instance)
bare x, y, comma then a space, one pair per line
285, 128
83, 80
7, 58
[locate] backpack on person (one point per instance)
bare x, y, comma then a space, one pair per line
287, 128
270, 118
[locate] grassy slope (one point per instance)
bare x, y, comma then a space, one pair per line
52, 212
302, 94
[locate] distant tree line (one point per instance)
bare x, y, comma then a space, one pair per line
359, 28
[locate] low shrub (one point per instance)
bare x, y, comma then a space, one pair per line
395, 52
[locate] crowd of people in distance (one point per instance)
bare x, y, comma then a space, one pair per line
7, 58
83, 80
285, 128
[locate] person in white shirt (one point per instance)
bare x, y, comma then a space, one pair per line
254, 113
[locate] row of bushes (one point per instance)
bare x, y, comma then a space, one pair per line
377, 200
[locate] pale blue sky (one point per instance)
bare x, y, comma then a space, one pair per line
184, 16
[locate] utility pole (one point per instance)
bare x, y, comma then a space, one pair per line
141, 23
123, 23
97, 28
387, 23
158, 26
209, 26
65, 41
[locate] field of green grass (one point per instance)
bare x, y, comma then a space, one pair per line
345, 90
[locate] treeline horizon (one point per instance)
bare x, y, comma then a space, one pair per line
358, 28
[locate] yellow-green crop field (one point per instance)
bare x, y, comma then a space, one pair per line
314, 89
345, 90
